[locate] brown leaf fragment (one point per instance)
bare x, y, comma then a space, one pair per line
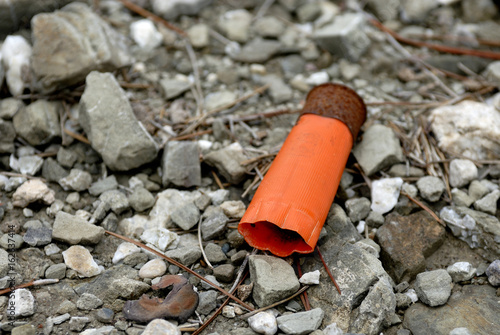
180, 303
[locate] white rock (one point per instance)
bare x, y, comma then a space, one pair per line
461, 271
361, 227
152, 269
199, 35
145, 34
318, 78
310, 278
233, 209
30, 164
471, 129
160, 238
31, 191
160, 326
385, 194
23, 303
235, 24
3, 181
79, 259
123, 250
16, 54
218, 99
412, 295
263, 323
332, 329
228, 312
462, 172
51, 249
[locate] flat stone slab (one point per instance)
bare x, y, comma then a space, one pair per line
75, 230
406, 242
474, 307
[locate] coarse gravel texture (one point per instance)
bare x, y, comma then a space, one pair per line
113, 122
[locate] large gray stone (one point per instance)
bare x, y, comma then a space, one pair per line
380, 148
302, 322
70, 43
474, 306
273, 278
75, 230
181, 164
38, 123
111, 126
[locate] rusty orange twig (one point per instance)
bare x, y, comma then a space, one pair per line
328, 270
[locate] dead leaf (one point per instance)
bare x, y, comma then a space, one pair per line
180, 303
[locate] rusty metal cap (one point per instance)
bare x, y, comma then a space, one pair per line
338, 102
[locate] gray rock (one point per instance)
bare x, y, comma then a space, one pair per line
433, 287
235, 24
117, 201
38, 236
478, 10
214, 224
172, 88
461, 271
172, 9
258, 50
477, 190
181, 164
228, 162
279, 91
66, 157
102, 185
380, 148
461, 198
357, 208
345, 37
38, 123
77, 180
30, 165
376, 309
224, 273
8, 136
302, 322
105, 315
401, 170
219, 99
493, 72
339, 225
488, 203
199, 35
187, 216
184, 255
111, 126
402, 301
4, 263
292, 65
110, 222
385, 10
11, 241
493, 273
273, 278
88, 302
474, 307
56, 271
214, 253
269, 26
375, 219
431, 188
418, 11
77, 38
308, 12
74, 230
52, 171
9, 107
26, 329
141, 199
77, 323
212, 280
462, 172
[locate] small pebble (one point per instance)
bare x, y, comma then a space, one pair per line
160, 326
310, 278
77, 180
79, 259
88, 302
105, 315
385, 194
433, 287
154, 268
461, 271
462, 172
228, 312
263, 323
493, 273
431, 188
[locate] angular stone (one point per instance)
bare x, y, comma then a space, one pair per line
345, 37
357, 208
174, 8
302, 322
70, 43
380, 148
56, 271
461, 271
31, 191
224, 273
52, 171
172, 88
433, 287
406, 241
474, 307
141, 199
431, 188
488, 203
117, 201
273, 279
74, 230
8, 136
228, 162
493, 273
181, 164
477, 138
214, 224
186, 216
258, 50
111, 126
38, 236
185, 255
462, 172
77, 180
79, 259
38, 123
88, 302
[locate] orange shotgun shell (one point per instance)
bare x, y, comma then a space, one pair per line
290, 206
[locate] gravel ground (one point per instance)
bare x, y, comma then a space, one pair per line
161, 129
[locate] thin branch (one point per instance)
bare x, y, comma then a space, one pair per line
328, 270
424, 207
76, 136
180, 265
29, 284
